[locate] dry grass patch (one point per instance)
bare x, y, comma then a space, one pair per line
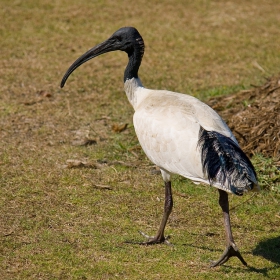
254, 117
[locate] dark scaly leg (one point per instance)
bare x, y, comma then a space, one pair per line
168, 204
231, 249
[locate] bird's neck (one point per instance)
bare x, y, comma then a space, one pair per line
134, 60
132, 83
133, 91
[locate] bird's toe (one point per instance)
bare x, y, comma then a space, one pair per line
231, 251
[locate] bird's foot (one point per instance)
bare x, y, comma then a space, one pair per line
231, 251
155, 239
151, 240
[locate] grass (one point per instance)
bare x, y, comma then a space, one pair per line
61, 223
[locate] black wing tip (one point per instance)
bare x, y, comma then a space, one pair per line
218, 154
237, 191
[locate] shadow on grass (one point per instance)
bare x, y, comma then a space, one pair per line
269, 249
265, 271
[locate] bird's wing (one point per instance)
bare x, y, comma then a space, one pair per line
188, 105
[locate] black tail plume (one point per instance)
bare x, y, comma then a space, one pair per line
224, 162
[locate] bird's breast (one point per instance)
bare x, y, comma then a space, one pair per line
169, 138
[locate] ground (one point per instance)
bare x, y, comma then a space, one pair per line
75, 184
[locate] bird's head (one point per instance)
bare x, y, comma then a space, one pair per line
125, 39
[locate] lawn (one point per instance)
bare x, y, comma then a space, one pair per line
74, 188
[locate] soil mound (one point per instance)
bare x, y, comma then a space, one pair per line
254, 117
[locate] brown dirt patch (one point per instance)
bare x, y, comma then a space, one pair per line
254, 117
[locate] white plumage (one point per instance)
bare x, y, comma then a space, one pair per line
167, 142
181, 135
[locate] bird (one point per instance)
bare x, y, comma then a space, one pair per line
181, 135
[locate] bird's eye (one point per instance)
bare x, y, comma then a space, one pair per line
118, 38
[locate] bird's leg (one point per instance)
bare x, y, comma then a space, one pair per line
231, 249
168, 204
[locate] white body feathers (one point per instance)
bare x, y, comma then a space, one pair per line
167, 125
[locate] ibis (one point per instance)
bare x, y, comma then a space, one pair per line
181, 135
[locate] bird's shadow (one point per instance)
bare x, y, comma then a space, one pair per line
269, 249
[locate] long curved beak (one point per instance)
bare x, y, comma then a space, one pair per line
107, 46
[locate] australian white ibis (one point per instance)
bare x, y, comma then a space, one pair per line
181, 135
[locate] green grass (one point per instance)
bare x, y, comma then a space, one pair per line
269, 175
61, 223
203, 94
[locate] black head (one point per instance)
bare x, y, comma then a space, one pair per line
125, 39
